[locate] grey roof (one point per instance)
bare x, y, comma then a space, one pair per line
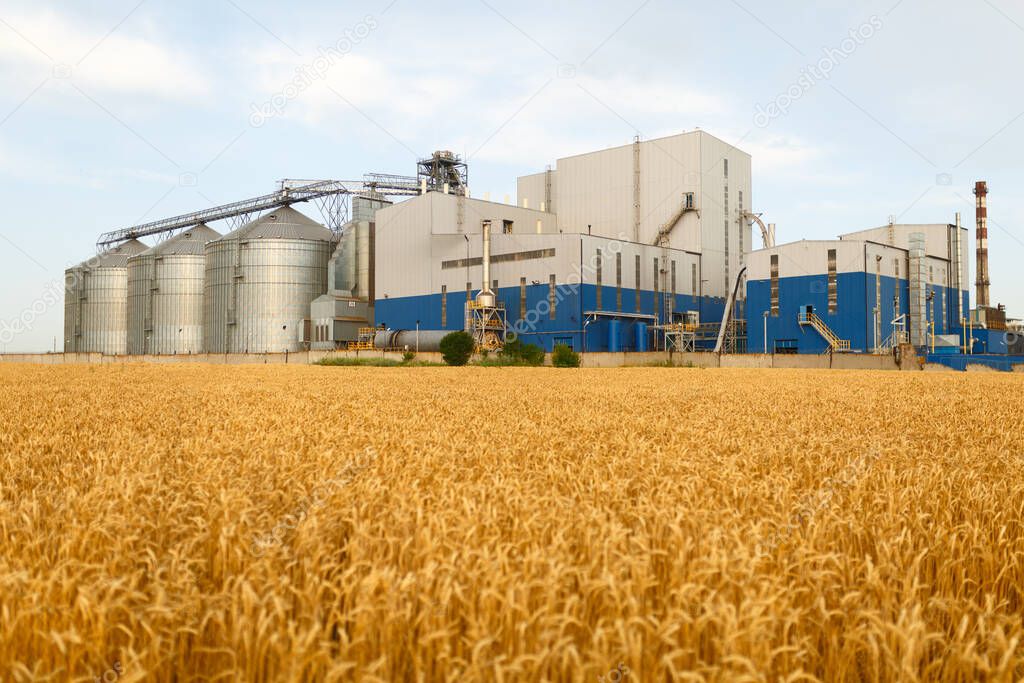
191, 242
116, 257
282, 223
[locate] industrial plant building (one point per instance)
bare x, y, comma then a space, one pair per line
866, 292
646, 246
597, 253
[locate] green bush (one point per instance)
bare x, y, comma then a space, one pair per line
457, 348
408, 356
564, 357
516, 352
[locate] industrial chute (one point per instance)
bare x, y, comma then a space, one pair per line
727, 314
767, 231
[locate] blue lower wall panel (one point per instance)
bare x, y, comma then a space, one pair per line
538, 327
853, 319
960, 362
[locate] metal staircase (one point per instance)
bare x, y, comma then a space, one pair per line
834, 342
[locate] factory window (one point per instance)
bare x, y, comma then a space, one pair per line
540, 227
657, 287
599, 283
725, 167
494, 286
444, 306
833, 286
743, 227
775, 286
522, 298
674, 291
499, 258
551, 296
618, 282
506, 227
726, 206
637, 267
693, 279
896, 303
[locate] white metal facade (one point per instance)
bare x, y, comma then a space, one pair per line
939, 242
595, 193
414, 239
810, 257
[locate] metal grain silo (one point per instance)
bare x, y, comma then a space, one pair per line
96, 302
260, 282
165, 294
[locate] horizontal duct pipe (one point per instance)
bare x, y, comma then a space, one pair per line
429, 341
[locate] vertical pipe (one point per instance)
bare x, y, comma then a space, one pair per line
959, 265
981, 191
487, 257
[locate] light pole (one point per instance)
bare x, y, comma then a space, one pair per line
875, 326
417, 336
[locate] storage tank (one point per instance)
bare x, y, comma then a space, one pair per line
641, 337
165, 294
614, 336
260, 282
96, 302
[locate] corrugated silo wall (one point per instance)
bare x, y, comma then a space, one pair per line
165, 304
258, 292
102, 311
72, 309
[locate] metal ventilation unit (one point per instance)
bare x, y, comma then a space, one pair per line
443, 172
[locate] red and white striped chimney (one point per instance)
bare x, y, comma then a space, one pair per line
981, 191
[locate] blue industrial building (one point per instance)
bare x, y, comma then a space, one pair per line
863, 293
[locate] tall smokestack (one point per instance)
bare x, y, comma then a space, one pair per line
486, 296
981, 191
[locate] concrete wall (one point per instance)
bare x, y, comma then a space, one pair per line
589, 360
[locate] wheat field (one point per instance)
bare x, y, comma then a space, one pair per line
283, 523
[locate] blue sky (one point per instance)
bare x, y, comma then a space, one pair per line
113, 113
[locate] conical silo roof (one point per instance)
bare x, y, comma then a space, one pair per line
282, 223
116, 257
191, 242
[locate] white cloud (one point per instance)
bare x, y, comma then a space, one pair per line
22, 165
120, 63
777, 154
530, 118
